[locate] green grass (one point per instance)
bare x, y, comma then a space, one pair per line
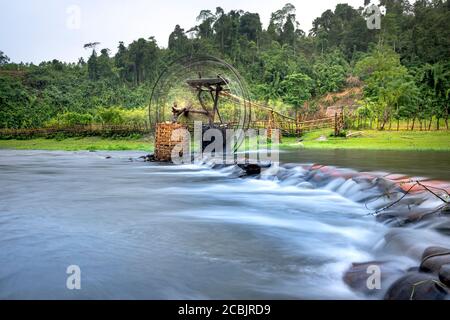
374, 140
76, 144
370, 139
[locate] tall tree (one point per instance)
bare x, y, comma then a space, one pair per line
250, 26
3, 58
179, 42
206, 19
283, 24
297, 89
122, 63
144, 56
93, 66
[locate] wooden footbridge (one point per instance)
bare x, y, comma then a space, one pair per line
260, 116
286, 124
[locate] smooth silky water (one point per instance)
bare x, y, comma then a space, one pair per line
151, 231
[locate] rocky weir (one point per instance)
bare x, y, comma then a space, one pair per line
406, 204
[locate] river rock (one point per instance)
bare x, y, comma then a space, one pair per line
444, 275
433, 258
148, 158
407, 210
416, 216
416, 286
250, 169
357, 275
401, 217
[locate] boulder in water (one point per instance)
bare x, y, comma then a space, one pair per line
433, 258
250, 169
148, 158
416, 286
444, 275
358, 275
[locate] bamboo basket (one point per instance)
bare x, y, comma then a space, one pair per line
163, 140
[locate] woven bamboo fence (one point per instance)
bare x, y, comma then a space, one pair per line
79, 130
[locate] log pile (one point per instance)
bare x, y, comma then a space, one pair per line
163, 140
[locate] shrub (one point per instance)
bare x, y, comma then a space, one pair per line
111, 116
69, 119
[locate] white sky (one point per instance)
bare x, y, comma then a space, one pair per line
33, 31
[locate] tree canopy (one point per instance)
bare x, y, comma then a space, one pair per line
404, 65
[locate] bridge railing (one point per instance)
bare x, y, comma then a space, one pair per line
293, 127
287, 126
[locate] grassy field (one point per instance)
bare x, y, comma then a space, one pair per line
369, 139
76, 144
373, 140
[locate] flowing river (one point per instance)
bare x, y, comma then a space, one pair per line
142, 230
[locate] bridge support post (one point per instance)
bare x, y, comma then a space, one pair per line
271, 126
298, 120
336, 125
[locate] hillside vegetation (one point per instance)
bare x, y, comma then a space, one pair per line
402, 69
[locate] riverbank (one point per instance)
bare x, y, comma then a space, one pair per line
320, 139
373, 140
79, 144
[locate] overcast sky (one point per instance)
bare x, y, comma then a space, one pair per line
34, 31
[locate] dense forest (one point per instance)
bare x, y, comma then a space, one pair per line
404, 67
